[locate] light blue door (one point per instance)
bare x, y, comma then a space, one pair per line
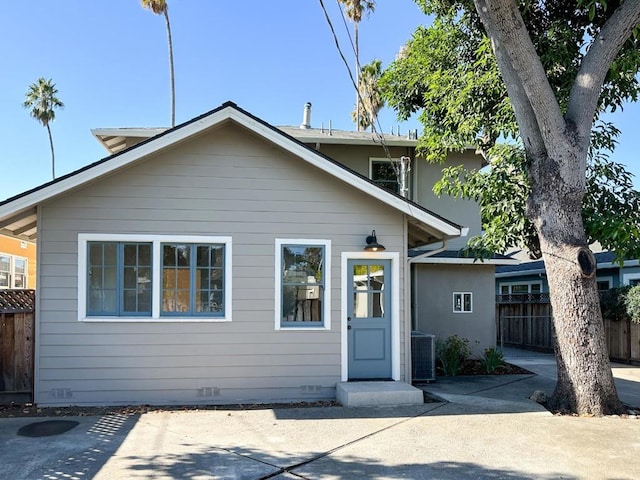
369, 319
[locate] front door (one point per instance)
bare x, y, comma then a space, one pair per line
369, 319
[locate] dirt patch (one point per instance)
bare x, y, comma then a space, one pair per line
474, 367
30, 410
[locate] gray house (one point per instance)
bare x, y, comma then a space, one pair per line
221, 261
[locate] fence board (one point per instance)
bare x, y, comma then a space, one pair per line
526, 320
16, 341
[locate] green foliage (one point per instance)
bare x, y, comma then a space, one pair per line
448, 73
613, 305
492, 360
369, 94
452, 353
632, 302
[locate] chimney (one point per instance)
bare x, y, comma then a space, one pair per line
306, 116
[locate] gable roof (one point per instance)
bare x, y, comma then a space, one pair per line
18, 214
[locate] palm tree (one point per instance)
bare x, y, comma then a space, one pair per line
41, 99
354, 9
369, 95
160, 7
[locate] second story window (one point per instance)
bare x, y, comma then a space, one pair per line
382, 172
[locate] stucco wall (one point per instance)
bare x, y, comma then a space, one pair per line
433, 306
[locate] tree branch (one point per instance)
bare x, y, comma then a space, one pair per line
540, 119
583, 99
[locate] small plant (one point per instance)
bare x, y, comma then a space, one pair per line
492, 360
452, 353
632, 303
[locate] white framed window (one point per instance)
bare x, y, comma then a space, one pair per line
462, 302
516, 288
631, 279
169, 278
604, 283
13, 271
382, 173
302, 284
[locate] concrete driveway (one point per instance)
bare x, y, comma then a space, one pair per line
487, 429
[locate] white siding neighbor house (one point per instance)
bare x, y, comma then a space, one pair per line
224, 261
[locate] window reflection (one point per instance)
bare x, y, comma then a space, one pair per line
368, 291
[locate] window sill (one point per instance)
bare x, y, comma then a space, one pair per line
304, 329
154, 320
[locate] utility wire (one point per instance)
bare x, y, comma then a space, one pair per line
379, 136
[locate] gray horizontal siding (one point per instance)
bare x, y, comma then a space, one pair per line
224, 183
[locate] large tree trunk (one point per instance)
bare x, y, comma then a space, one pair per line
556, 145
585, 382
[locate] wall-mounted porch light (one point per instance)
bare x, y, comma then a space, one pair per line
372, 243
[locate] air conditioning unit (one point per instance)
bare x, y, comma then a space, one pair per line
423, 357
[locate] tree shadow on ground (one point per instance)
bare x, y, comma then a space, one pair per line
76, 454
252, 464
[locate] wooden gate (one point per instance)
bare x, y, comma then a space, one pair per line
17, 320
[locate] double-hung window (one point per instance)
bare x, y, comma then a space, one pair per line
302, 284
383, 173
13, 271
154, 277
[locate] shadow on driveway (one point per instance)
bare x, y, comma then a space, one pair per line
78, 453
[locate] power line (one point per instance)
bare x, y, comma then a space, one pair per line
373, 120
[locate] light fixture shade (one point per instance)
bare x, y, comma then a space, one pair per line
372, 243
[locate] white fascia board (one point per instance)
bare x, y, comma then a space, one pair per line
339, 172
518, 273
537, 271
466, 261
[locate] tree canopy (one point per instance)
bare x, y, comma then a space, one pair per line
449, 75
42, 101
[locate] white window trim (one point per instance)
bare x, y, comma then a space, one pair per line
627, 277
12, 271
156, 241
382, 160
453, 307
523, 282
326, 306
605, 279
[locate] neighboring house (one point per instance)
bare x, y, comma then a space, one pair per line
225, 261
530, 277
17, 261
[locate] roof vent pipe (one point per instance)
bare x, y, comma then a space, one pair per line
306, 116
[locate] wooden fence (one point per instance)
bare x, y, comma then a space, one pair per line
525, 321
17, 321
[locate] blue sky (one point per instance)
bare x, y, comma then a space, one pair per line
109, 63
